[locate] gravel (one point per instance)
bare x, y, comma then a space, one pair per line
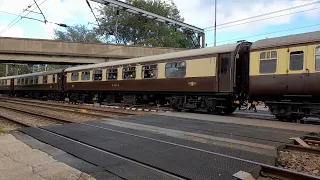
82, 106
300, 161
26, 118
69, 116
6, 125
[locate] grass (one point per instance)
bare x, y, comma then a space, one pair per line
2, 129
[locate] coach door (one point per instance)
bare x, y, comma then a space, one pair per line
60, 80
224, 75
297, 70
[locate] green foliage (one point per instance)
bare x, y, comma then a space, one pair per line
128, 28
77, 33
2, 129
15, 69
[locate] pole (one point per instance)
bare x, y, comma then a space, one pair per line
7, 70
116, 34
203, 40
215, 22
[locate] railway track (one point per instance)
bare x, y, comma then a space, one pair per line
263, 170
313, 143
101, 112
266, 170
67, 113
82, 111
28, 119
17, 113
92, 109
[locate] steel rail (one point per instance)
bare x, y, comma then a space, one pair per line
266, 169
37, 114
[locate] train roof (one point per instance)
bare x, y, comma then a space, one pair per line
287, 40
55, 71
174, 55
6, 78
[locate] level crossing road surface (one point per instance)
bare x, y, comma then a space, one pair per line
167, 147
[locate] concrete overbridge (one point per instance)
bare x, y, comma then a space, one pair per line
40, 51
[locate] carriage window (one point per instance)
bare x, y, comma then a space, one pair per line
45, 80
36, 80
54, 78
263, 55
224, 65
31, 80
175, 69
268, 62
296, 60
97, 75
74, 76
268, 66
112, 74
318, 58
149, 71
22, 81
18, 81
85, 75
129, 73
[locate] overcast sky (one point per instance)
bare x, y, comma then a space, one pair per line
196, 12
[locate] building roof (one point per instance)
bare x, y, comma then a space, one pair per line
287, 40
167, 56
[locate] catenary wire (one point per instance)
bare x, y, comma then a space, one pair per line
265, 18
269, 13
256, 35
9, 26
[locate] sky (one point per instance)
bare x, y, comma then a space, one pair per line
199, 13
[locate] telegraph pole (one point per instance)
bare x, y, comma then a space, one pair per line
215, 22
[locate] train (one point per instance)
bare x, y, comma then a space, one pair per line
283, 72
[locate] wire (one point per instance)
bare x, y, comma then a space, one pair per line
9, 13
261, 15
8, 26
21, 17
302, 27
44, 18
60, 24
93, 12
266, 18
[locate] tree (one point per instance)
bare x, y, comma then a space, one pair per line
127, 28
77, 33
15, 69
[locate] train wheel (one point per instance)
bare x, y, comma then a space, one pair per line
296, 118
281, 118
177, 104
229, 110
215, 112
